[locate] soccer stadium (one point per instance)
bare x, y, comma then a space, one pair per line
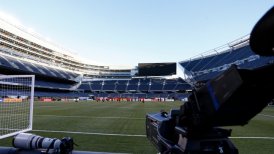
103, 108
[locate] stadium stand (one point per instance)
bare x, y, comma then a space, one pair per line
57, 70
59, 74
28, 68
135, 87
144, 85
121, 85
207, 67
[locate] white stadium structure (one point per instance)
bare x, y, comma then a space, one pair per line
60, 74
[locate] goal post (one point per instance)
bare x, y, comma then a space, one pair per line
16, 104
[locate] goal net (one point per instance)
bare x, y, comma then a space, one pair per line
16, 104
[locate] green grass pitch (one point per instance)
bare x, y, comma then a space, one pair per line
120, 126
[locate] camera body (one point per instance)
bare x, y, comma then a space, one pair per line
159, 129
232, 98
169, 138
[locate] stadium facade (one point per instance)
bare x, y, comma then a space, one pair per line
59, 74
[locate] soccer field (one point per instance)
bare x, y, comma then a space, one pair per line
120, 126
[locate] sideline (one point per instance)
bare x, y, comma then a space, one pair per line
89, 133
93, 117
266, 138
131, 135
265, 115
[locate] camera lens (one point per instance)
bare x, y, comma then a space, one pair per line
31, 141
24, 140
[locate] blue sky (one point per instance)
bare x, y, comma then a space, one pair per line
126, 32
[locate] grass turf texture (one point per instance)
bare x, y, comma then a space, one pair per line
129, 118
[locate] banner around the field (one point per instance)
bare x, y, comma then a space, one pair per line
12, 100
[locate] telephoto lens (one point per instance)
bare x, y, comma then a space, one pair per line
31, 141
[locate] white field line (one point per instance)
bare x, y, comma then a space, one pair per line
57, 116
44, 106
265, 115
266, 138
131, 135
89, 133
94, 107
94, 117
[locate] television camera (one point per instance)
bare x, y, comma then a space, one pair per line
232, 98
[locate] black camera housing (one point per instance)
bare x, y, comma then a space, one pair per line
232, 98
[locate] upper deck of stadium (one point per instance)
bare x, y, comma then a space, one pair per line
16, 41
30, 48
